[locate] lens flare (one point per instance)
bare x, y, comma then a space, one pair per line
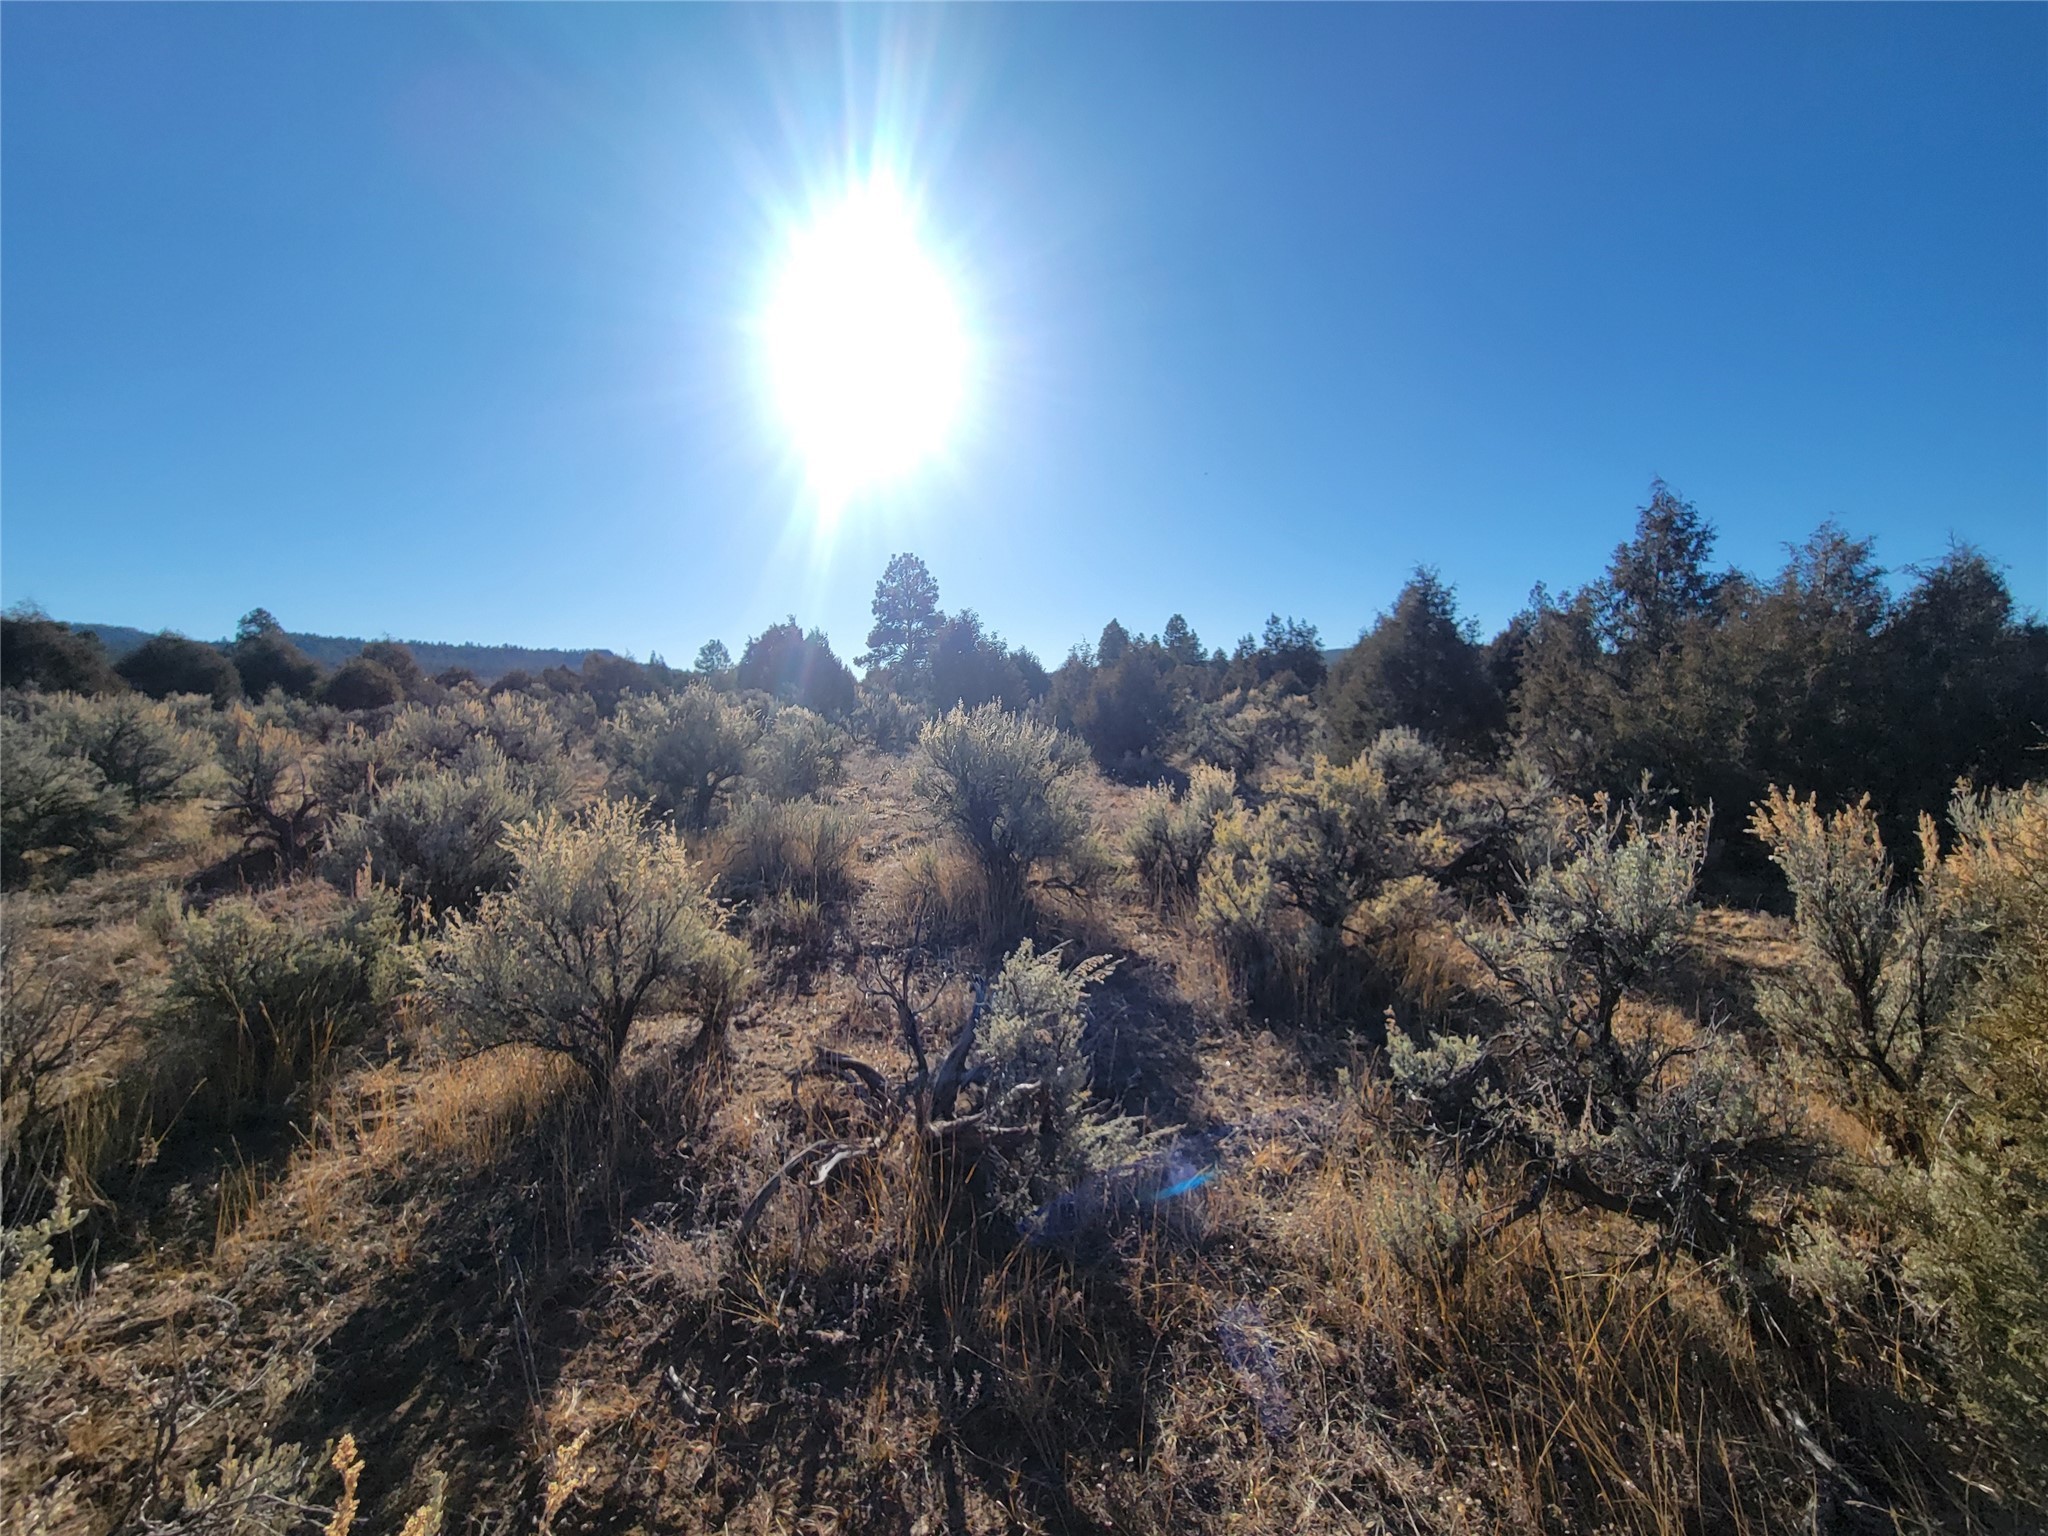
866, 344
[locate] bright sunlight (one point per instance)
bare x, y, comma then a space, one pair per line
866, 346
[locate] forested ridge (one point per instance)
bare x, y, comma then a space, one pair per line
1592, 1077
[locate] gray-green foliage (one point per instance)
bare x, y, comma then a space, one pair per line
269, 793
437, 838
1005, 787
1249, 729
1030, 1045
886, 721
605, 922
1171, 835
1683, 1134
358, 764
1982, 1247
786, 848
56, 809
1880, 969
1282, 884
686, 752
259, 1003
800, 753
143, 747
1605, 917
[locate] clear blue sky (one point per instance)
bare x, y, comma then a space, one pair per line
433, 321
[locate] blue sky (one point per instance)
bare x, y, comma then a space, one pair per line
435, 321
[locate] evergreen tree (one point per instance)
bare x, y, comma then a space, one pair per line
1417, 667
38, 652
266, 658
971, 667
166, 664
1182, 643
1658, 581
907, 620
798, 668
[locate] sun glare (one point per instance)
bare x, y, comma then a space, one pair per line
866, 346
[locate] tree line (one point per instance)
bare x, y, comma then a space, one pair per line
1714, 681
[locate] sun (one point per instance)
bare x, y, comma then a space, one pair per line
866, 345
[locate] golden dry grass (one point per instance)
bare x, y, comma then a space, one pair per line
529, 1332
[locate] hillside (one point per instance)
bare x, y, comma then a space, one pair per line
488, 662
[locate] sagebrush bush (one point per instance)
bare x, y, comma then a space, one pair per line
1597, 924
54, 1022
886, 721
56, 810
1282, 883
1881, 969
1981, 1250
686, 752
1248, 730
260, 1004
142, 747
1030, 1048
509, 728
1171, 836
436, 838
1605, 1105
786, 848
606, 921
1004, 786
270, 796
799, 754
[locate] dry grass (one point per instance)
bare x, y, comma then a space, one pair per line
529, 1335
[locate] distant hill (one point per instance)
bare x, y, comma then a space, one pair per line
488, 662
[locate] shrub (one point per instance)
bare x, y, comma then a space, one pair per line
52, 1024
1982, 1247
799, 754
1605, 1106
1170, 839
141, 747
1248, 730
262, 1004
1413, 770
55, 809
686, 752
604, 922
1879, 971
436, 838
886, 721
165, 664
1591, 928
1004, 787
787, 847
511, 729
270, 796
1030, 1047
1281, 884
